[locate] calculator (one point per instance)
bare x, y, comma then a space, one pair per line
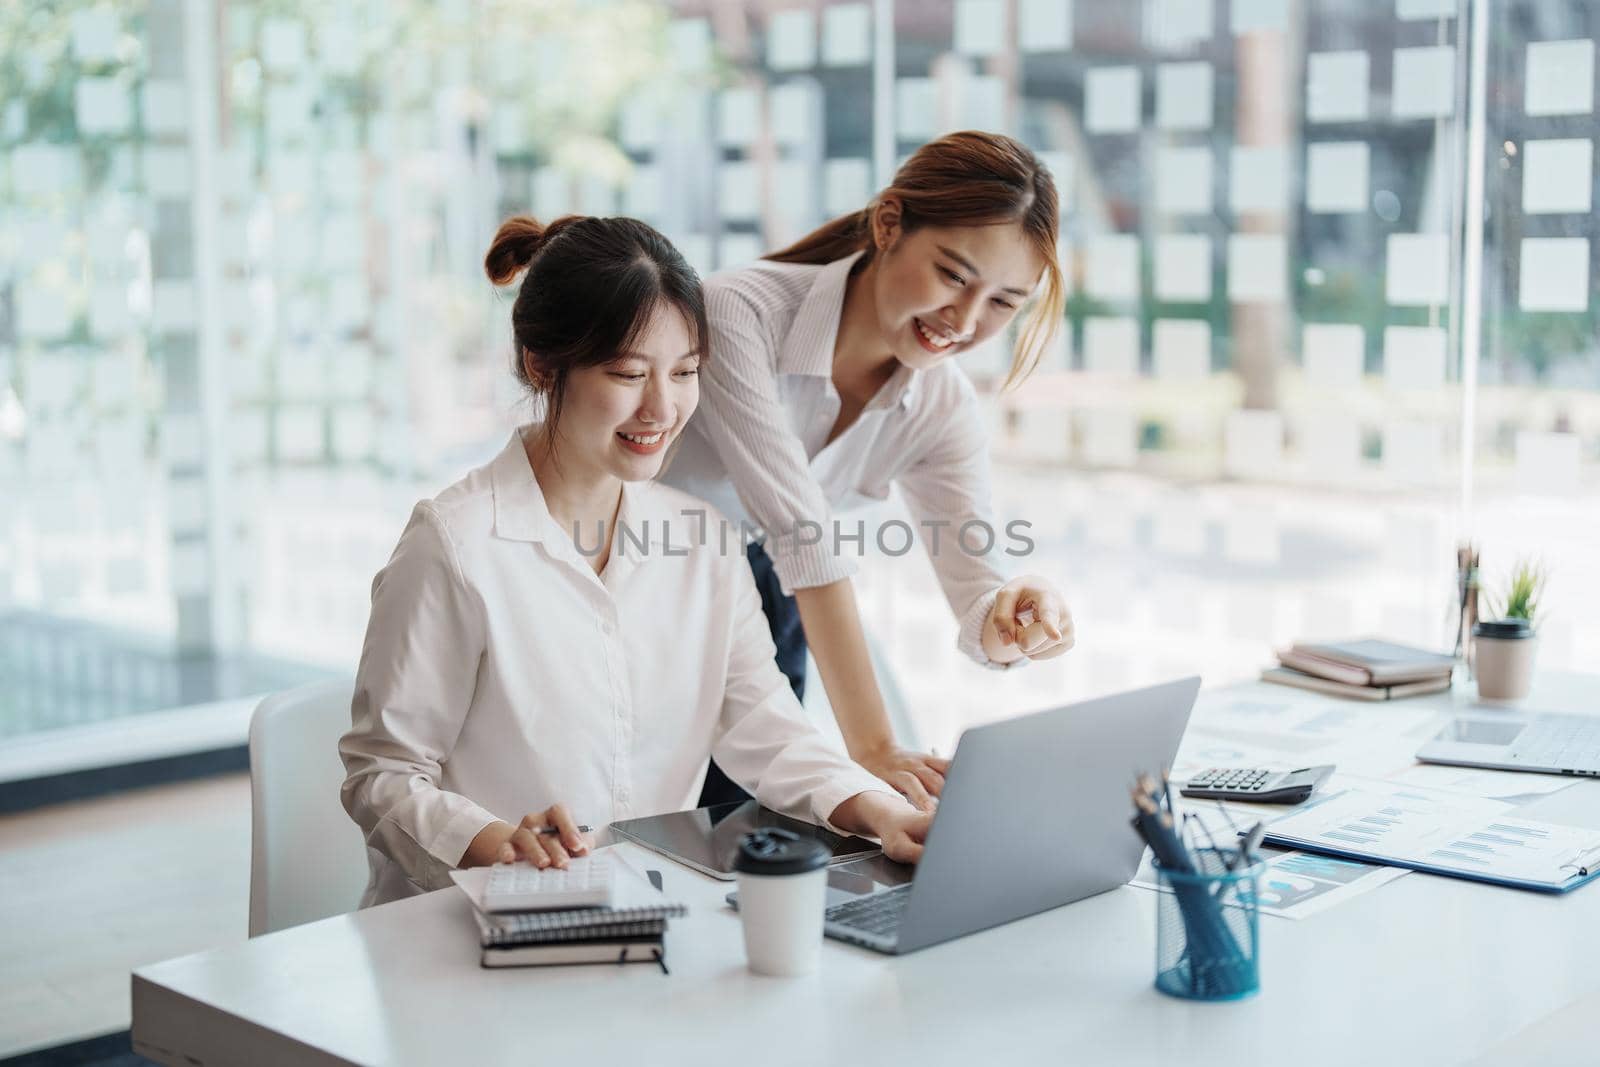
587, 882
1254, 784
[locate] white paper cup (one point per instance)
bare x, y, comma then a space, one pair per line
1504, 665
783, 887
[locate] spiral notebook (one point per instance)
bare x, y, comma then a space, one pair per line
530, 926
638, 905
495, 932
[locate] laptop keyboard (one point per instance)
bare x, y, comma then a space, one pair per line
1560, 741
876, 914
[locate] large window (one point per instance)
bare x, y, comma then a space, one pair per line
1331, 312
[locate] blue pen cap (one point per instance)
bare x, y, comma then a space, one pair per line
771, 851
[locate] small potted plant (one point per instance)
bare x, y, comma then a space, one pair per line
1508, 637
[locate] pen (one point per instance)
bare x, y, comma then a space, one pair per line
557, 829
1252, 841
1233, 825
1239, 856
1216, 852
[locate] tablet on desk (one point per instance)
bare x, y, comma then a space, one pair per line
706, 838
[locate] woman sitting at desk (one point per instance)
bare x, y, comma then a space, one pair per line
556, 633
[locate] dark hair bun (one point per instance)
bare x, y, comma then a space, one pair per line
515, 244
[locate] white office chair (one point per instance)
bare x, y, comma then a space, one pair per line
307, 858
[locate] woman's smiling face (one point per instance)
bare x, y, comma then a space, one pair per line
619, 417
940, 291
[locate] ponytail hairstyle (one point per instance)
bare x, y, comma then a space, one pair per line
591, 287
969, 178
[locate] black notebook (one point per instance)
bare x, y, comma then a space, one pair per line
622, 950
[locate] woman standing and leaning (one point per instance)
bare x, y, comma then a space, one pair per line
831, 379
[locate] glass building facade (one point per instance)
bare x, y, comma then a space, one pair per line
1332, 305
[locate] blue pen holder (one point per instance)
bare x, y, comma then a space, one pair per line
1207, 930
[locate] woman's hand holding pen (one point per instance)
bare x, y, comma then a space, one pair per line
530, 842
543, 838
1029, 618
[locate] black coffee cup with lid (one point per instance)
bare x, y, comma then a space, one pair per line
770, 851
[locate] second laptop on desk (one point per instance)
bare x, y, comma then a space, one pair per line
1033, 815
1546, 743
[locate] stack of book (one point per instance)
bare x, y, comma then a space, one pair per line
1366, 668
632, 929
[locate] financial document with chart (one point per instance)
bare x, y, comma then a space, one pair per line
1430, 829
1256, 729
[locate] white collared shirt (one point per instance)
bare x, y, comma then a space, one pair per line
501, 675
758, 446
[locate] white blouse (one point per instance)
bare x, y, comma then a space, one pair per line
501, 675
758, 448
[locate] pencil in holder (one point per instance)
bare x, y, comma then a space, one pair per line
1207, 930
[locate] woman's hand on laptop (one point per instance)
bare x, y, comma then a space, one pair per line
898, 826
543, 838
1029, 618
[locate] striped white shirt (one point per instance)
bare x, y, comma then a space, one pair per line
758, 447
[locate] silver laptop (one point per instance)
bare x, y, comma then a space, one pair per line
1546, 742
1034, 814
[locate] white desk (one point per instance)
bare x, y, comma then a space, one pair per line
1424, 970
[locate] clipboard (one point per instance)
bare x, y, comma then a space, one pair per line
1584, 876
1413, 827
